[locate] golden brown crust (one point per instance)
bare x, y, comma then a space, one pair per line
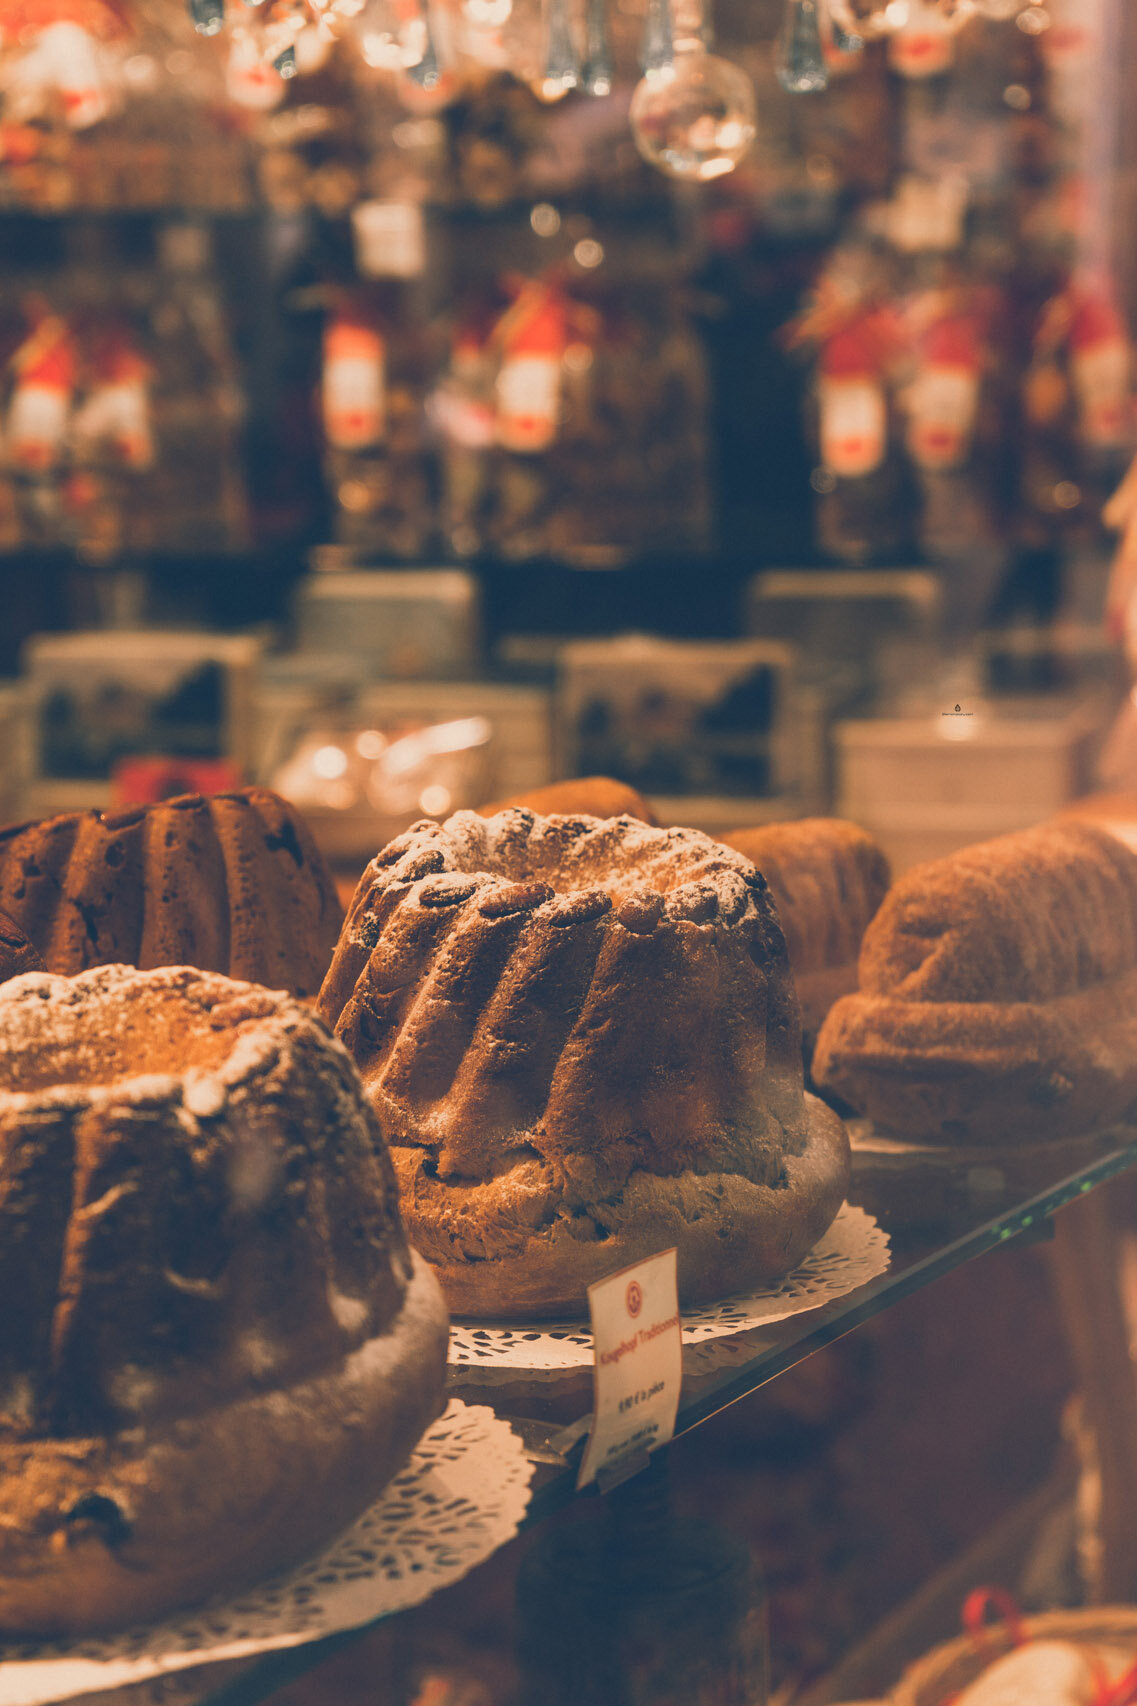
17, 953
550, 1014
224, 1344
828, 878
998, 994
99, 1533
195, 1199
526, 1244
589, 796
231, 883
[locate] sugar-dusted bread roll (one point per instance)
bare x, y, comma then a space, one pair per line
998, 994
587, 796
827, 878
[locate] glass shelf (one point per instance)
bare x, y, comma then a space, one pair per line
549, 1415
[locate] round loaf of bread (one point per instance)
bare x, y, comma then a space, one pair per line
583, 1044
223, 1347
998, 994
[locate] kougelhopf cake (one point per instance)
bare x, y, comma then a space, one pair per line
827, 878
229, 882
223, 1347
16, 953
583, 1044
593, 796
998, 994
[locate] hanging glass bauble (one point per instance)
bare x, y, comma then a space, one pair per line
696, 118
843, 35
657, 49
426, 73
562, 66
800, 63
597, 74
208, 16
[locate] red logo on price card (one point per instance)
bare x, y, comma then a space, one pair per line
634, 1298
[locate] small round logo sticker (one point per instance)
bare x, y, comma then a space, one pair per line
634, 1298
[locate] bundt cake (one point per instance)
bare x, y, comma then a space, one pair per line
593, 796
223, 1347
827, 878
582, 1042
229, 882
998, 994
16, 952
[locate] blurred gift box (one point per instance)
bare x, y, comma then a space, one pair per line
99, 698
681, 718
406, 624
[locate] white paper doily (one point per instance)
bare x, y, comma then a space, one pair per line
852, 1252
461, 1496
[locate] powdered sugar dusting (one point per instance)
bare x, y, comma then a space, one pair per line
76, 1026
197, 1133
620, 855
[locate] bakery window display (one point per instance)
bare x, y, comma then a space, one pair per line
224, 1347
998, 995
582, 1041
231, 883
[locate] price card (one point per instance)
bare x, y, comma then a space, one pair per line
638, 1368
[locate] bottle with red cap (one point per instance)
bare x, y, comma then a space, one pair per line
943, 396
44, 372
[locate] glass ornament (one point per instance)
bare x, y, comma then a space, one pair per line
657, 50
274, 33
562, 67
800, 63
427, 72
597, 74
843, 34
694, 119
208, 16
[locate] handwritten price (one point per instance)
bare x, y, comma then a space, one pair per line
634, 1398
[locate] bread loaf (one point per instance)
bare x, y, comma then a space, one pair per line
828, 878
998, 994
